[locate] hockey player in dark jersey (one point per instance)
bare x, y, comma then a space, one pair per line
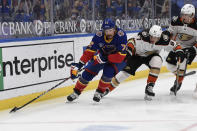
145, 49
106, 52
184, 31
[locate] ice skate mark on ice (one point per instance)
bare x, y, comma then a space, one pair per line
101, 121
105, 128
191, 127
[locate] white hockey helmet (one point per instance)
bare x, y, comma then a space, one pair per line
155, 31
188, 9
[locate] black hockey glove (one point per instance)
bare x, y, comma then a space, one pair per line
192, 50
180, 55
190, 53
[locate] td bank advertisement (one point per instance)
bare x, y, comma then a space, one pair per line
31, 64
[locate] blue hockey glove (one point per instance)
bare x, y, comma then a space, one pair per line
75, 69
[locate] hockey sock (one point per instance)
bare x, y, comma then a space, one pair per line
181, 77
152, 78
114, 84
81, 84
153, 75
104, 83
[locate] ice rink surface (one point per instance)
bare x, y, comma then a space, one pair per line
122, 110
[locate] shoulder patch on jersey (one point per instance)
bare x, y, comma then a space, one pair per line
176, 21
99, 33
91, 43
174, 18
120, 33
131, 40
165, 37
144, 33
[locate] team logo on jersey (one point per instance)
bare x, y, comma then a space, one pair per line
165, 37
108, 49
101, 44
110, 46
184, 37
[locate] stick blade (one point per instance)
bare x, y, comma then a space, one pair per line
190, 73
14, 110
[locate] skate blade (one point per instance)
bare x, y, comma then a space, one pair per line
195, 92
148, 98
172, 93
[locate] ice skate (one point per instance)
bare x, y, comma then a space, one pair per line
173, 89
73, 96
105, 93
98, 95
149, 94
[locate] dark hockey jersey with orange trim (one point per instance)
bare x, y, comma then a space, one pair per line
141, 45
114, 50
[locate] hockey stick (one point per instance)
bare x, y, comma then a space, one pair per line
187, 60
184, 73
190, 73
177, 76
18, 108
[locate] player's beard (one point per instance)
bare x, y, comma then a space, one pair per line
109, 36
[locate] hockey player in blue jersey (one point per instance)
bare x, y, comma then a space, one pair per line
105, 52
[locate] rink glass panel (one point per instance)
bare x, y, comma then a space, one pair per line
38, 18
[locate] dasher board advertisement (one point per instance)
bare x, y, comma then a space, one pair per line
32, 64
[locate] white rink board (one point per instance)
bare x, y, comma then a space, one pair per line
37, 63
14, 81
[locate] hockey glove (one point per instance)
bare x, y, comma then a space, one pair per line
190, 53
99, 59
192, 50
180, 55
75, 69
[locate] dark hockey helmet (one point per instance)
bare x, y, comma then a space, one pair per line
108, 24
